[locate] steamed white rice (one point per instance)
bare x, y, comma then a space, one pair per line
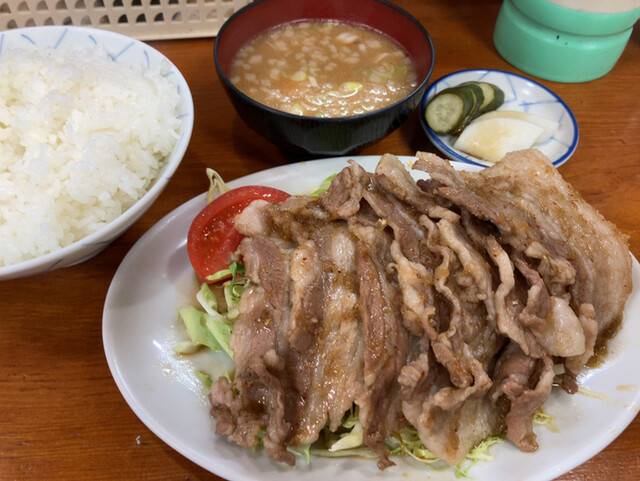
81, 139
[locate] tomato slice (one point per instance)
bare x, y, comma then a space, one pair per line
212, 236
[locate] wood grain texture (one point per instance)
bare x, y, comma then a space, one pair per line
61, 414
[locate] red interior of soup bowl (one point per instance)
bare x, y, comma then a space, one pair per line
376, 14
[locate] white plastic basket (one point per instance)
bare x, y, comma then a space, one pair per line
141, 19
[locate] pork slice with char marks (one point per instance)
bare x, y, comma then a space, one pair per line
440, 171
341, 344
342, 199
307, 296
509, 302
237, 407
474, 266
393, 177
444, 392
526, 382
386, 348
418, 294
254, 220
267, 263
448, 432
328, 372
451, 433
457, 318
542, 217
297, 217
256, 398
295, 221
513, 224
557, 328
558, 215
574, 364
259, 391
401, 217
324, 328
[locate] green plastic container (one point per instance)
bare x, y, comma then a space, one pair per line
557, 43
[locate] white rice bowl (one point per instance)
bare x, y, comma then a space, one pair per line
84, 152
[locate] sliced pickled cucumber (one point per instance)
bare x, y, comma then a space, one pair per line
478, 99
493, 95
491, 102
448, 109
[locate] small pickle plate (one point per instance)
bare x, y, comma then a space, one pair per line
520, 94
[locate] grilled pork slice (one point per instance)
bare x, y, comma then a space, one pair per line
581, 259
440, 305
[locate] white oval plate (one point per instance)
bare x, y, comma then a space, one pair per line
521, 94
140, 327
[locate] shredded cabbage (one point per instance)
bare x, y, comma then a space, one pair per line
348, 441
545, 419
216, 184
348, 436
211, 324
195, 321
205, 378
323, 187
482, 452
409, 443
302, 450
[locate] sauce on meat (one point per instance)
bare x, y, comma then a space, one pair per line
601, 349
323, 69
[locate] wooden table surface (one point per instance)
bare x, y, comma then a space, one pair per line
61, 414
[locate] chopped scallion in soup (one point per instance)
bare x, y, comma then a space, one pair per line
323, 69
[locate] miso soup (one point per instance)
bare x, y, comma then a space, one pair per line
323, 69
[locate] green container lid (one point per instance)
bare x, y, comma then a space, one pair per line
561, 44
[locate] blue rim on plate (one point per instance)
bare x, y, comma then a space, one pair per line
521, 93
